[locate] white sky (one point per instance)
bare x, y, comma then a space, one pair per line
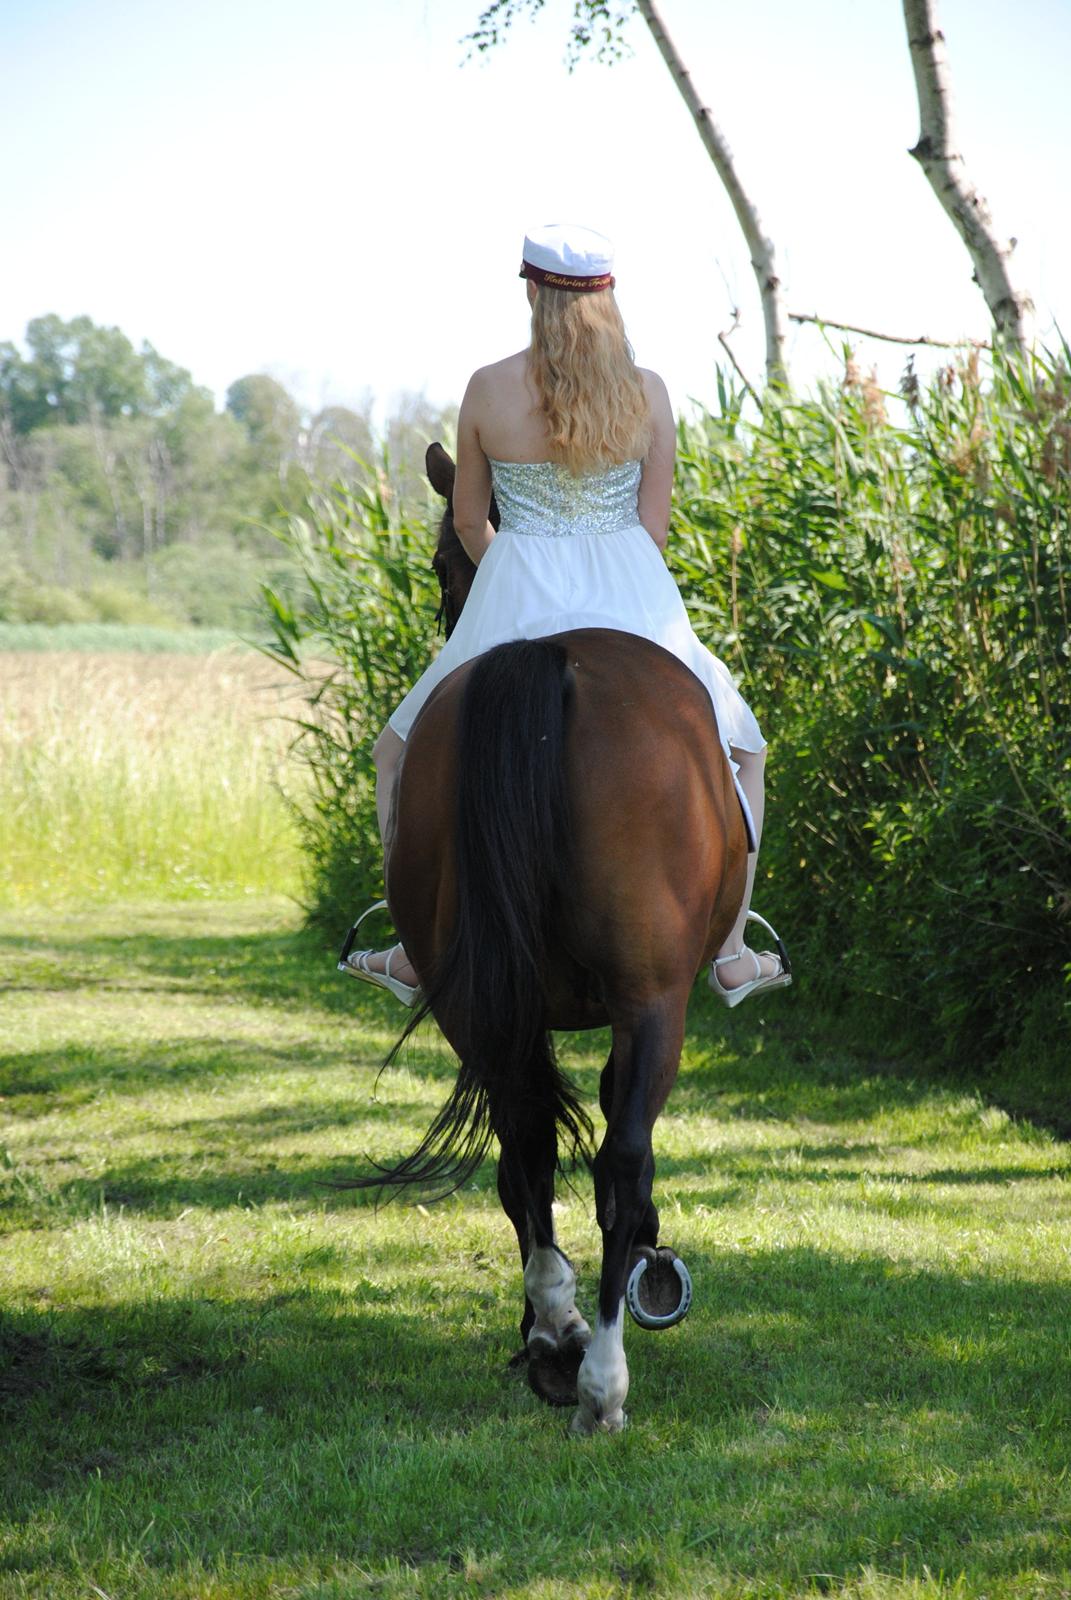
318, 189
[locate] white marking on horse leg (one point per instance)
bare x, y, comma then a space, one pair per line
550, 1284
602, 1382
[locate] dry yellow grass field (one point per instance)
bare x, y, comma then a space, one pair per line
127, 774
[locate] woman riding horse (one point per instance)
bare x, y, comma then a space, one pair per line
578, 444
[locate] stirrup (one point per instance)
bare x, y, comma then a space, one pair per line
348, 941
777, 980
356, 963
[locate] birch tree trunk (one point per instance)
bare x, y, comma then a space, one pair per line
760, 247
944, 167
106, 458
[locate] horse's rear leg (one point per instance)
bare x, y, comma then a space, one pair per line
647, 1232
646, 1055
551, 1322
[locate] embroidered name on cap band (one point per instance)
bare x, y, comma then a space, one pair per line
559, 280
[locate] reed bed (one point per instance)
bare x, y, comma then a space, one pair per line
124, 775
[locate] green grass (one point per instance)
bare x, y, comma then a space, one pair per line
223, 1379
128, 636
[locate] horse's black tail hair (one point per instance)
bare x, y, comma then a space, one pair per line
513, 856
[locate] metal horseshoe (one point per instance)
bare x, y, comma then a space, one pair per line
648, 1319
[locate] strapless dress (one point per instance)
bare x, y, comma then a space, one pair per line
572, 553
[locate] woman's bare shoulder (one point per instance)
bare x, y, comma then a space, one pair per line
661, 407
499, 406
652, 383
510, 371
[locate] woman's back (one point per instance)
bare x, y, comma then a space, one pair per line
505, 406
508, 415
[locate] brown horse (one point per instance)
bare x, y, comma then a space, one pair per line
567, 851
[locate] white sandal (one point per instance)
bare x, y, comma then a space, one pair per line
355, 962
776, 980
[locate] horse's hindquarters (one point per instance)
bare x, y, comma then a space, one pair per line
659, 844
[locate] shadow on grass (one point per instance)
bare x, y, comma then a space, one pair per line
291, 971
286, 967
767, 1069
295, 970
38, 1082
213, 1175
813, 1414
160, 1186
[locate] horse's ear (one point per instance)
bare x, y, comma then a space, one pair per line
440, 470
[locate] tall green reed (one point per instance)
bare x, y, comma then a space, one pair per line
358, 638
894, 594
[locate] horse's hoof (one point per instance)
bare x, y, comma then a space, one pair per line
585, 1423
659, 1289
552, 1371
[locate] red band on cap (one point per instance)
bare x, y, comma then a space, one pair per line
559, 280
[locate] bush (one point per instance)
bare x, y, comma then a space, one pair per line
114, 602
23, 599
216, 587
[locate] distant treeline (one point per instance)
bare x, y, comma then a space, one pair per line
125, 496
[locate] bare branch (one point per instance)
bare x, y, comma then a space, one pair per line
714, 142
890, 338
723, 340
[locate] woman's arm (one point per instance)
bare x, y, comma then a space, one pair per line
472, 482
656, 483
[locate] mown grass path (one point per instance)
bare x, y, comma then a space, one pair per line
221, 1379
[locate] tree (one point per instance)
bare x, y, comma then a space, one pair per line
945, 169
23, 402
82, 370
338, 441
599, 25
76, 371
414, 423
269, 415
167, 385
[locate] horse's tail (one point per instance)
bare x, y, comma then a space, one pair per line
513, 850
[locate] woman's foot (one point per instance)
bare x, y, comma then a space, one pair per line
387, 969
746, 967
401, 968
736, 974
734, 977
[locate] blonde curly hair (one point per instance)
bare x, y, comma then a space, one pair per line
591, 393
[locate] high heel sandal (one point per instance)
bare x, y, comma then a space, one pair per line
355, 962
776, 980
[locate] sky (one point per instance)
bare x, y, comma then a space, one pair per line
321, 190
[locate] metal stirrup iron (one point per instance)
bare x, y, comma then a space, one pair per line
786, 965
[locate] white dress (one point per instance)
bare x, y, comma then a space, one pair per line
572, 553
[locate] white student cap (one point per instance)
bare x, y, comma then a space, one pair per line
566, 256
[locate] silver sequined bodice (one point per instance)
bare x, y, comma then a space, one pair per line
544, 498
